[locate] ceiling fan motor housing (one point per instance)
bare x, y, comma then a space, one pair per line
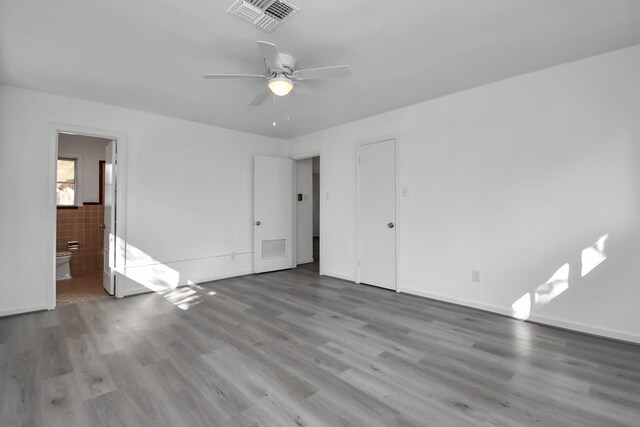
288, 63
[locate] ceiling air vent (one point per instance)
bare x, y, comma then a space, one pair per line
264, 14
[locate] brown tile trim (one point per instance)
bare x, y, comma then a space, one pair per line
66, 207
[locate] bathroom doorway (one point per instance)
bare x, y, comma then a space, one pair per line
308, 213
80, 218
84, 198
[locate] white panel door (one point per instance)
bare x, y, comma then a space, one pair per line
377, 214
272, 213
109, 219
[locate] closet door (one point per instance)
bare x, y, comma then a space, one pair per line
377, 214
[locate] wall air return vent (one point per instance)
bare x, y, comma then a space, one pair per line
264, 14
274, 248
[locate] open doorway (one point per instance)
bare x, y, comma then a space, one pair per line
308, 213
87, 249
80, 213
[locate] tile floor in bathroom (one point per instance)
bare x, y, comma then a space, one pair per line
87, 287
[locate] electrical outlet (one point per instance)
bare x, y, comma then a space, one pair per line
405, 192
475, 275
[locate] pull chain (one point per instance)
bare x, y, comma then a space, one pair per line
274, 109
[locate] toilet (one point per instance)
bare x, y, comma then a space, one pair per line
62, 265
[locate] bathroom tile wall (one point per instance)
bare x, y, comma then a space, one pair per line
83, 225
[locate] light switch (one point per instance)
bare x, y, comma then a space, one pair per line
475, 275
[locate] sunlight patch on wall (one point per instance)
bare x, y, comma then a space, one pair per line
557, 284
544, 294
156, 277
522, 307
137, 257
164, 280
594, 255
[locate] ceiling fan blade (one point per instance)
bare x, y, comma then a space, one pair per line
323, 73
269, 52
302, 87
262, 96
234, 76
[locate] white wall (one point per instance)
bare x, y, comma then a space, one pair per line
514, 179
304, 208
189, 194
92, 150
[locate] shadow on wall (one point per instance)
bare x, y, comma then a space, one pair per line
164, 280
592, 256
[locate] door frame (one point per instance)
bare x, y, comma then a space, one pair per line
358, 233
303, 156
120, 201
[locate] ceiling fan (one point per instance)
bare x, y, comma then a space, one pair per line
281, 73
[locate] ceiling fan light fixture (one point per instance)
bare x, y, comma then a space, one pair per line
280, 86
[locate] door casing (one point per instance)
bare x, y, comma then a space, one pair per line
121, 232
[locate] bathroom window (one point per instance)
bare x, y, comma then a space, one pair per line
66, 182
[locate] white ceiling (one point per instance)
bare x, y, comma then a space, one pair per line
151, 54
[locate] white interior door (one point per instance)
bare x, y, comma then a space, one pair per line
272, 213
109, 218
377, 214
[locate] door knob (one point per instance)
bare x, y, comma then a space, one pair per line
258, 222
101, 226
391, 225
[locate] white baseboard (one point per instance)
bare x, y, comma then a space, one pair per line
535, 318
586, 329
171, 274
305, 261
127, 287
20, 310
133, 288
466, 303
338, 276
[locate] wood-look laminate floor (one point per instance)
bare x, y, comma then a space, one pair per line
293, 349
